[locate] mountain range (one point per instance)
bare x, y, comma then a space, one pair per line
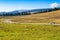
27, 12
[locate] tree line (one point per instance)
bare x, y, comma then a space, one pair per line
28, 12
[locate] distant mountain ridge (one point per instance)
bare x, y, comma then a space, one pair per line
27, 12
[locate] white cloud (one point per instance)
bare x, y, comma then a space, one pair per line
53, 5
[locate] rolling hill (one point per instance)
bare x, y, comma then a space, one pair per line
17, 31
47, 17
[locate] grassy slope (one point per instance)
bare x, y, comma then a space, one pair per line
48, 17
29, 32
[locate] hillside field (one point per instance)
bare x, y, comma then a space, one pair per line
47, 17
21, 27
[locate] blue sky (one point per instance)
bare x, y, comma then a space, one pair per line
10, 5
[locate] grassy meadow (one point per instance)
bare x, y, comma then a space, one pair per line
29, 32
47, 17
19, 31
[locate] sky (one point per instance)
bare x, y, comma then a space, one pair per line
10, 5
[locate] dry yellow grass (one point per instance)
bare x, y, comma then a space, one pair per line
48, 17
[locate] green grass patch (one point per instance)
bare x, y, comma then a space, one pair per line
29, 32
